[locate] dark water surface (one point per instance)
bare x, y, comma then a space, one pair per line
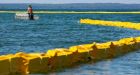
64, 30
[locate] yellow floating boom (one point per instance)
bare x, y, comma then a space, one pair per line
130, 25
56, 59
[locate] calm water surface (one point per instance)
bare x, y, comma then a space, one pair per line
64, 30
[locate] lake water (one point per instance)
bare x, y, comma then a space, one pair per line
64, 30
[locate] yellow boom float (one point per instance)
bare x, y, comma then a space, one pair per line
130, 25
56, 59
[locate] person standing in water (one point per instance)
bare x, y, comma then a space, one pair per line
30, 12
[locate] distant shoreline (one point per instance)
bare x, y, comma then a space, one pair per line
74, 12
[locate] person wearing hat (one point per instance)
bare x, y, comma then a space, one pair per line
30, 12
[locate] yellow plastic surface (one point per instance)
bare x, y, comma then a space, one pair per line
111, 23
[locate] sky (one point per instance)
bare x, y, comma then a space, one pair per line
71, 1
